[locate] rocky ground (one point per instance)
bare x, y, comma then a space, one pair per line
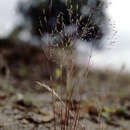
99, 100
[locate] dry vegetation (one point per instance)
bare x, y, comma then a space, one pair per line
93, 99
66, 96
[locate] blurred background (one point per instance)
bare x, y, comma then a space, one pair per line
117, 55
116, 52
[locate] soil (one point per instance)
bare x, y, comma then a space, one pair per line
24, 105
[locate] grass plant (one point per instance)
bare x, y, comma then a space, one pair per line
62, 46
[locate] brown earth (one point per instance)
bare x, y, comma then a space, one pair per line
26, 106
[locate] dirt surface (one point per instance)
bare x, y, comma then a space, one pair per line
102, 98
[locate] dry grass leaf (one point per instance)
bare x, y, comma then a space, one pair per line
59, 109
61, 103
